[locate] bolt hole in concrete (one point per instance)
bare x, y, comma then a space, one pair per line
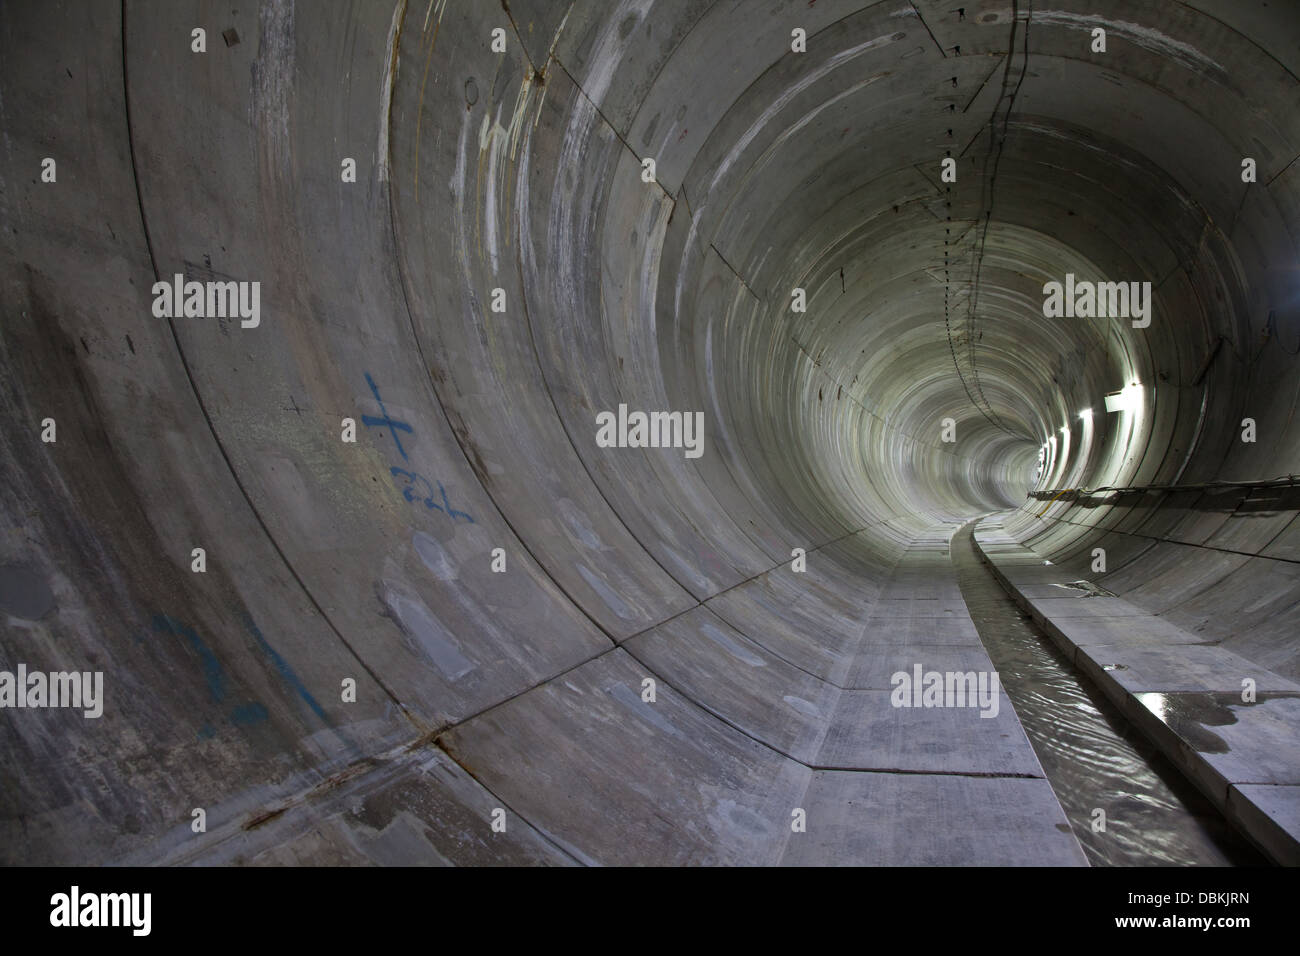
1092, 756
24, 593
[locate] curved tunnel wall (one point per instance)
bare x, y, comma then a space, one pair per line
522, 171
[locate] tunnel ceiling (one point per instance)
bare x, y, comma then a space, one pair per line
504, 269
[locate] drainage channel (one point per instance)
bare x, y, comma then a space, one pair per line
1093, 757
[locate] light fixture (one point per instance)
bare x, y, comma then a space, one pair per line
1127, 399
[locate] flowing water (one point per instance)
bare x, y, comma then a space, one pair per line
1091, 754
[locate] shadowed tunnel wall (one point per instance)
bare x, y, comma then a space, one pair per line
522, 171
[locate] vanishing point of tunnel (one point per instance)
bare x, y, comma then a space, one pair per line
650, 432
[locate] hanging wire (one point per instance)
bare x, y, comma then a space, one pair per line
977, 396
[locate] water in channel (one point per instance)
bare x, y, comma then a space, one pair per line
1091, 754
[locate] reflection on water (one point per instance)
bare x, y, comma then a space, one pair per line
1191, 715
1092, 756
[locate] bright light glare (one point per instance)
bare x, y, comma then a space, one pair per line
1127, 399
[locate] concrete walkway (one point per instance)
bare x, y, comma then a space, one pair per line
1184, 691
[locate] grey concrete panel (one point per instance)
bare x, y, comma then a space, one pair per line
1178, 668
876, 665
1272, 812
608, 777
740, 681
928, 820
869, 733
411, 807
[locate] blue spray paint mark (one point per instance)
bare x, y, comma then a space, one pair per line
241, 715
452, 512
212, 671
246, 714
386, 422
410, 491
285, 670
411, 479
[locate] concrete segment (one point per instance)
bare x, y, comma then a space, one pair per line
1273, 812
928, 820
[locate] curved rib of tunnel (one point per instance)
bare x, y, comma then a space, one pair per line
353, 675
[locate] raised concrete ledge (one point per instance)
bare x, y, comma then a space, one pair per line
1179, 689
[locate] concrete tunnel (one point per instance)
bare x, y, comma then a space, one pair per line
432, 643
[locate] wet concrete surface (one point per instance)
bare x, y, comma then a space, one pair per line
1094, 757
1192, 715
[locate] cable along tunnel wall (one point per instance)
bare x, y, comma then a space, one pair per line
349, 603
